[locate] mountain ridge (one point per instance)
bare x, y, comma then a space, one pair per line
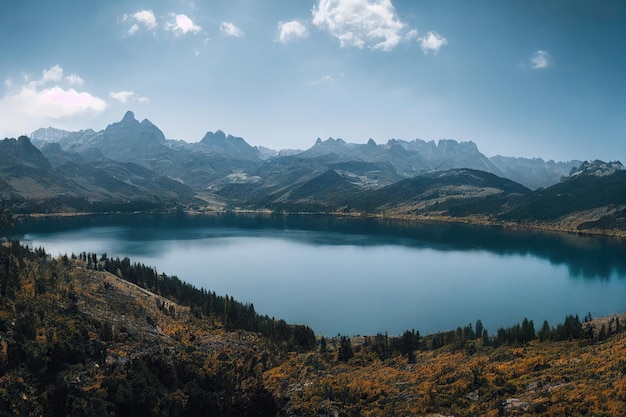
131, 165
410, 158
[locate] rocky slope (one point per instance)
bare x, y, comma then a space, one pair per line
30, 182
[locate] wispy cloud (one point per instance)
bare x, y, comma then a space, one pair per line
54, 75
326, 79
361, 23
540, 60
432, 42
145, 18
230, 29
125, 96
182, 24
292, 30
44, 100
74, 80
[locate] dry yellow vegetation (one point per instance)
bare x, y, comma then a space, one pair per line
570, 378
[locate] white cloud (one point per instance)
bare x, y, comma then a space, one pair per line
230, 29
540, 60
52, 75
74, 80
147, 18
361, 23
432, 42
142, 17
121, 96
125, 96
133, 29
40, 102
292, 30
182, 25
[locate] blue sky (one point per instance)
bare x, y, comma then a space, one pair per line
529, 78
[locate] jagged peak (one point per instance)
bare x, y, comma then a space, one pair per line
131, 127
129, 117
23, 139
330, 141
371, 142
215, 137
597, 168
21, 151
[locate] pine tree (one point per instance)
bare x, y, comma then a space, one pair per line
479, 328
485, 336
544, 333
345, 349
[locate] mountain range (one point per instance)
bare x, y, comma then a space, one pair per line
132, 166
219, 155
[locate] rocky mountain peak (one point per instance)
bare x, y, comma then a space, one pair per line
22, 152
129, 117
597, 168
130, 128
231, 146
214, 138
48, 134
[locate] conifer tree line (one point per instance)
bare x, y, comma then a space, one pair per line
466, 337
233, 314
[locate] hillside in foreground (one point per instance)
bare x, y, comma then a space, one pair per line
76, 339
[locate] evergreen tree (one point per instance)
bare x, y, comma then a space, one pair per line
544, 333
381, 346
322, 345
485, 336
479, 328
528, 331
409, 342
345, 352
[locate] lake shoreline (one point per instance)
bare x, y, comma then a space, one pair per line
570, 227
363, 259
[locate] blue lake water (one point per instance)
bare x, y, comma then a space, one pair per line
361, 276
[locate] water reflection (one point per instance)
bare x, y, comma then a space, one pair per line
585, 257
362, 275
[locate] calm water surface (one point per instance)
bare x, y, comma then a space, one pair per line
362, 276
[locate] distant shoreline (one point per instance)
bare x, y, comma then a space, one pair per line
559, 227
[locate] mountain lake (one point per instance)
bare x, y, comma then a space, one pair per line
361, 276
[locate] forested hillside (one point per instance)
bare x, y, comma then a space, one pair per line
78, 340
94, 336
